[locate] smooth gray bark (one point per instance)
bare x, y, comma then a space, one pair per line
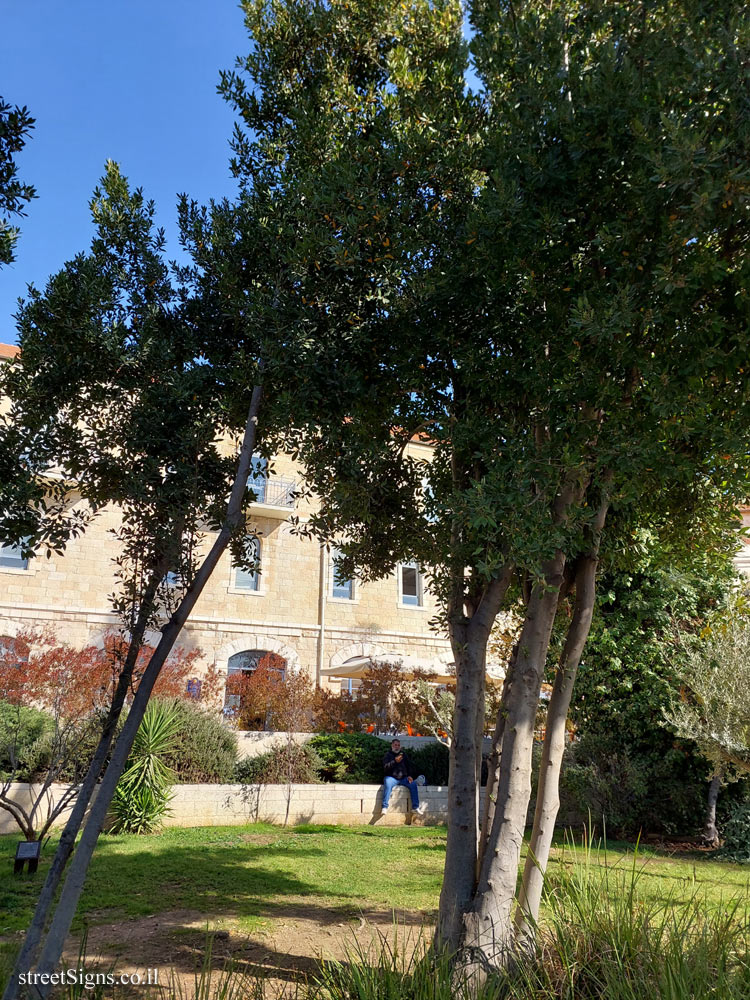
710, 830
493, 768
71, 892
548, 792
27, 954
469, 642
487, 938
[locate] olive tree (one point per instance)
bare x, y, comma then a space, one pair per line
713, 708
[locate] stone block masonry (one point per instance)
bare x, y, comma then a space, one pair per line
236, 805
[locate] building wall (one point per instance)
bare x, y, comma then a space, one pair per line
71, 593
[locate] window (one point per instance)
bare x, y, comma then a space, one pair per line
350, 685
11, 556
246, 579
341, 586
410, 583
258, 478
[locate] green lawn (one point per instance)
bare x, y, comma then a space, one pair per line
249, 874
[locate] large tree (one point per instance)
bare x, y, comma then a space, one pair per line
138, 386
546, 279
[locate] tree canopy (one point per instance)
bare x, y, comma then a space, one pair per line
16, 124
546, 279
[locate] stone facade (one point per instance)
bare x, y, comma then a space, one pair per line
292, 612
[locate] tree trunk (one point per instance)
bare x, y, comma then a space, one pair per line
493, 769
27, 954
487, 937
710, 835
74, 882
548, 792
469, 642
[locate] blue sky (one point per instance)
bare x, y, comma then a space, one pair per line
130, 80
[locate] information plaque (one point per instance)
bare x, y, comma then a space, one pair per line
27, 850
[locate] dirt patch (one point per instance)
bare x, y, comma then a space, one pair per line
298, 936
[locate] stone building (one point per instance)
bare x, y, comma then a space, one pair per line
296, 606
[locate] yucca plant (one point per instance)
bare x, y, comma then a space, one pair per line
142, 796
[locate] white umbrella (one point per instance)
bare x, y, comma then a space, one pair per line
443, 672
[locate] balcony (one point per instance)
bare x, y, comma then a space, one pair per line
274, 497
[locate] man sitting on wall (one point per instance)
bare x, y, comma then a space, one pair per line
396, 767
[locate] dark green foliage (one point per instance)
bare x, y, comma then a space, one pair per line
75, 769
352, 758
357, 758
204, 749
655, 594
15, 126
297, 764
431, 760
633, 791
736, 832
24, 741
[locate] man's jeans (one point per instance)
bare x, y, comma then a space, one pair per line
390, 784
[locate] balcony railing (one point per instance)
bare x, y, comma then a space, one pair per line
274, 492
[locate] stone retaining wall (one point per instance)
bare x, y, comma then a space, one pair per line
350, 805
234, 805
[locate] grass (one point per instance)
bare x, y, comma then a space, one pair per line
597, 901
244, 873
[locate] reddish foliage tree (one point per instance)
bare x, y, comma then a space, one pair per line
74, 687
385, 699
254, 694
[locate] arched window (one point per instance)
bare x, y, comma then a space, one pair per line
245, 699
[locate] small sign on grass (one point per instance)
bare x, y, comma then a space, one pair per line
27, 850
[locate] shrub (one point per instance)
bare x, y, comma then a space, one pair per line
205, 750
142, 795
431, 760
24, 741
357, 758
352, 758
633, 791
736, 833
295, 763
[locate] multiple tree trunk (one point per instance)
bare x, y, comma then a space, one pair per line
481, 916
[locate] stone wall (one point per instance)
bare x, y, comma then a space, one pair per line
235, 805
287, 614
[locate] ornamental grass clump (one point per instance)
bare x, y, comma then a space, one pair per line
602, 940
142, 796
599, 939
